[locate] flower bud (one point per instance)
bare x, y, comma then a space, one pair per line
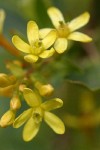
4, 81
44, 90
15, 103
7, 84
7, 119
7, 91
21, 87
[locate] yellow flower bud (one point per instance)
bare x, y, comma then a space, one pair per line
4, 81
21, 87
15, 103
44, 90
7, 91
7, 84
7, 119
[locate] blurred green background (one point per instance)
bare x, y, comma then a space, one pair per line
72, 74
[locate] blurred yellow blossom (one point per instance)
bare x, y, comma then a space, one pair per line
2, 18
36, 47
89, 116
36, 113
66, 31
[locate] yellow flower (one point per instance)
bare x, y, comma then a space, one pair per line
36, 47
2, 18
37, 113
66, 31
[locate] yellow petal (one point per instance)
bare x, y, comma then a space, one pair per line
60, 45
54, 122
79, 21
31, 58
49, 39
30, 130
77, 36
2, 18
31, 97
52, 104
47, 53
21, 119
55, 16
44, 32
20, 44
32, 32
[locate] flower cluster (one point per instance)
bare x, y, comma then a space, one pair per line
43, 43
22, 83
15, 87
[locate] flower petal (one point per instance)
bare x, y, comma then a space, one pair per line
49, 39
21, 119
30, 130
55, 16
54, 122
31, 97
47, 53
44, 32
32, 32
20, 44
79, 21
52, 104
31, 58
61, 45
77, 36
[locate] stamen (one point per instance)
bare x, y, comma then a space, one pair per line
63, 30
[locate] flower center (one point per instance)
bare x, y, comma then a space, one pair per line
37, 48
63, 30
37, 115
